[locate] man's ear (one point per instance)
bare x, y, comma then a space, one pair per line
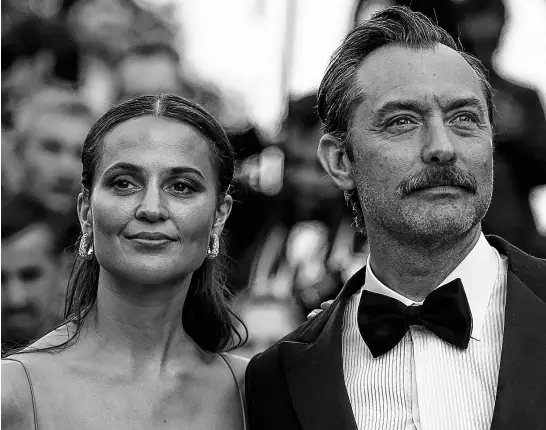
335, 161
222, 214
85, 214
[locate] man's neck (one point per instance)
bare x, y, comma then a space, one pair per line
414, 271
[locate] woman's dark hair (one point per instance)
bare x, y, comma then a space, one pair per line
208, 317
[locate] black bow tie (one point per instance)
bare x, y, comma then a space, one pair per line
384, 321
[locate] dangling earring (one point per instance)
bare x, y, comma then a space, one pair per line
86, 247
214, 249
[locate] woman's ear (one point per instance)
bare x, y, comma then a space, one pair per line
222, 214
85, 214
335, 161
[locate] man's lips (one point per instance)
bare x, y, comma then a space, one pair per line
443, 186
432, 187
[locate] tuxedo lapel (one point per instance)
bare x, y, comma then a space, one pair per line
521, 392
314, 368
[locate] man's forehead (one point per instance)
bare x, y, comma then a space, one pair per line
36, 239
396, 71
60, 123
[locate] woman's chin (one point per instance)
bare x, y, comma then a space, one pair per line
150, 272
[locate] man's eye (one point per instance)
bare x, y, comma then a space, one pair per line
466, 117
30, 274
401, 122
52, 146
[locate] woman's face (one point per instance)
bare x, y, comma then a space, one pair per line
153, 204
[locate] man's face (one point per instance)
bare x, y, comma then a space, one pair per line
31, 284
422, 144
104, 22
148, 75
51, 157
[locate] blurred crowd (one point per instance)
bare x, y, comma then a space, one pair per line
291, 240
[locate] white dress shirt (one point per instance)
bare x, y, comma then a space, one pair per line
425, 383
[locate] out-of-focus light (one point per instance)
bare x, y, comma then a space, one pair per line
537, 198
271, 170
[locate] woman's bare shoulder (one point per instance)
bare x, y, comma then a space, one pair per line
55, 338
35, 356
17, 411
238, 365
17, 396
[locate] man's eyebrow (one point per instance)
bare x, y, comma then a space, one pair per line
465, 102
418, 106
396, 105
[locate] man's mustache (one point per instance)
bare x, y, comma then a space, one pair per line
10, 311
434, 176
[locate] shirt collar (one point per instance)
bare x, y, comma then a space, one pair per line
478, 273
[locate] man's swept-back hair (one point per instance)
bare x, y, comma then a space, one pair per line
339, 93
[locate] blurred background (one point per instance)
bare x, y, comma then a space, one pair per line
255, 65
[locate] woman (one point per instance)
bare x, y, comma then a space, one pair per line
147, 318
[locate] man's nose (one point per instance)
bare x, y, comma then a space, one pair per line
438, 148
14, 294
152, 207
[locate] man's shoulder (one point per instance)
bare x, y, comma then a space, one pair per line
530, 270
306, 333
272, 352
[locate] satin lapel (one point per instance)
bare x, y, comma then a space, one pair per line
314, 373
314, 368
521, 392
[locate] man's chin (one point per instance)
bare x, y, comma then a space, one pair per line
439, 229
437, 223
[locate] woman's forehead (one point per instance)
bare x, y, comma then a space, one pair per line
156, 143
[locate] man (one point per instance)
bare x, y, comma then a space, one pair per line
443, 328
519, 124
148, 69
36, 52
50, 129
33, 279
151, 68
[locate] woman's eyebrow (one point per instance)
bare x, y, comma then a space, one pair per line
172, 171
123, 166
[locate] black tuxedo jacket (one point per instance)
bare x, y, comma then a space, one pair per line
298, 383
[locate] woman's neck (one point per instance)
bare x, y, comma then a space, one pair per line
414, 271
139, 324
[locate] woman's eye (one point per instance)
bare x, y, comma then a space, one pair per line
123, 185
181, 188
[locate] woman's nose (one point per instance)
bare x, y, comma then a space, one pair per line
152, 207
